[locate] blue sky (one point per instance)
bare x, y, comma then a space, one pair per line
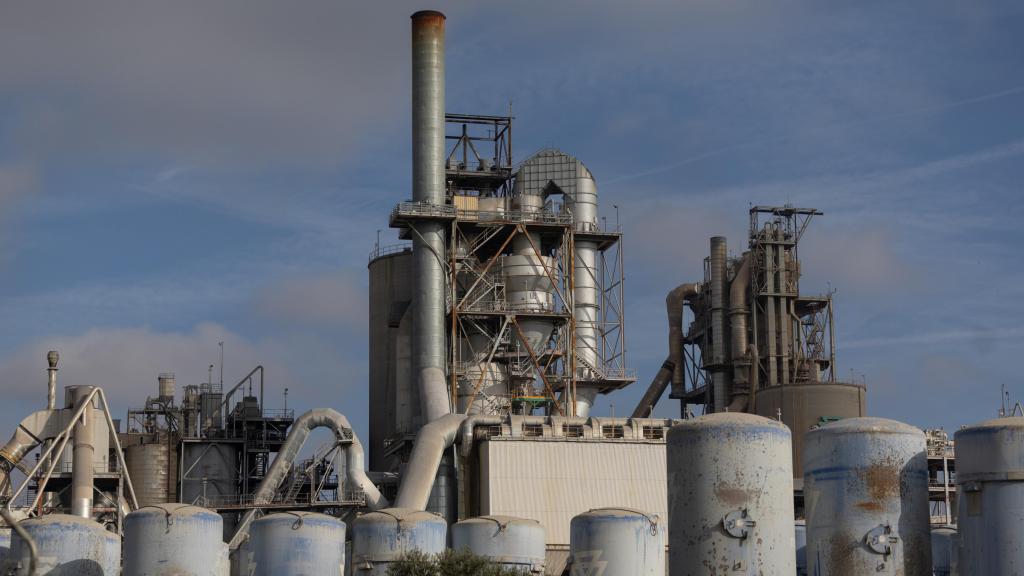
175, 175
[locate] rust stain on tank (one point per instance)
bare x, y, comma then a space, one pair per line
870, 506
882, 481
732, 496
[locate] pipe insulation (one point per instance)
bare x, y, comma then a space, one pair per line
738, 313
719, 375
428, 187
303, 425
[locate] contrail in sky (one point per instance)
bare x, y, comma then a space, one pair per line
775, 139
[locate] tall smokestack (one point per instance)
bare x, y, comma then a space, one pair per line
428, 186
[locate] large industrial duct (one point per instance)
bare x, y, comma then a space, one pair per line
738, 313
297, 435
719, 374
428, 187
554, 172
655, 390
431, 442
674, 303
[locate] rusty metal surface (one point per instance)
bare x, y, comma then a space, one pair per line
866, 499
730, 500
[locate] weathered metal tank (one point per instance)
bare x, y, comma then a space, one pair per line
297, 544
730, 496
801, 548
67, 546
153, 469
173, 539
242, 559
5, 546
943, 551
866, 499
616, 542
515, 543
384, 536
990, 494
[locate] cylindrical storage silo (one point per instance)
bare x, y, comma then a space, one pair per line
617, 542
943, 550
990, 497
730, 496
866, 499
514, 543
384, 536
67, 546
173, 539
298, 544
801, 548
149, 465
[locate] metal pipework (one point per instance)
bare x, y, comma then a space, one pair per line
431, 442
83, 455
674, 303
33, 551
739, 393
47, 424
657, 388
51, 379
354, 467
428, 186
719, 376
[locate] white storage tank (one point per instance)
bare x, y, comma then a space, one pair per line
173, 539
384, 536
67, 546
990, 496
866, 499
801, 548
730, 496
616, 542
943, 551
514, 543
297, 544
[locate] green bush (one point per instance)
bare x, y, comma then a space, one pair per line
448, 563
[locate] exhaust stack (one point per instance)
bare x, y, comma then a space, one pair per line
428, 187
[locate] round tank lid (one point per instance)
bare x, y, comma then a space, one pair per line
300, 515
868, 424
499, 519
174, 509
1010, 422
612, 512
730, 420
62, 519
399, 515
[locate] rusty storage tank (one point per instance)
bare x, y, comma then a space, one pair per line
730, 496
172, 539
67, 546
153, 464
944, 551
805, 406
990, 492
381, 537
514, 543
617, 542
298, 544
801, 548
866, 499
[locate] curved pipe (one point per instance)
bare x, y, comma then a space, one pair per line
431, 442
738, 312
31, 432
674, 303
318, 418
